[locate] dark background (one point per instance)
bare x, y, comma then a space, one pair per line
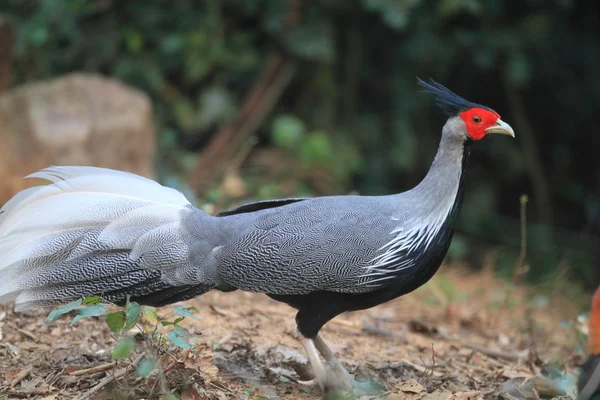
339, 109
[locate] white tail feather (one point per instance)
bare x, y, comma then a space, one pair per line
85, 210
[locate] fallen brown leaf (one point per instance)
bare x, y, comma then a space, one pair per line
411, 386
438, 396
473, 395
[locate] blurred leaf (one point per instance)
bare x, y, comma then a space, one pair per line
132, 315
312, 42
57, 313
216, 106
316, 149
116, 321
185, 113
149, 318
268, 191
178, 340
123, 349
449, 8
89, 311
146, 367
134, 40
395, 13
185, 311
286, 131
38, 36
172, 44
519, 69
91, 300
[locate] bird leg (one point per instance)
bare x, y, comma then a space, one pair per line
335, 376
342, 376
314, 360
333, 363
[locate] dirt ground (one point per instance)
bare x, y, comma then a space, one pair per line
461, 336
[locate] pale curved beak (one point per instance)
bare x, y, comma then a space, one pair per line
501, 128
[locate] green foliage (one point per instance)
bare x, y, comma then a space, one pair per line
146, 367
185, 312
123, 319
124, 348
116, 322
287, 131
93, 310
59, 312
132, 314
91, 300
179, 336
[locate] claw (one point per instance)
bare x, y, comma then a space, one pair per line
312, 382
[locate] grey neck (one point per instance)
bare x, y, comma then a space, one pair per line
437, 192
423, 211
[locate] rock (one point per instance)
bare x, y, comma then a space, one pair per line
79, 119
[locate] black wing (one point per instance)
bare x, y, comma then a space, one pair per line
259, 205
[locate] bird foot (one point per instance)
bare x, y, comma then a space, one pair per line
340, 379
312, 382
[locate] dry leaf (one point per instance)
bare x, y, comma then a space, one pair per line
474, 395
11, 374
202, 360
411, 386
223, 311
510, 374
192, 394
31, 383
437, 396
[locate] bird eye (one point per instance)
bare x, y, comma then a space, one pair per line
477, 119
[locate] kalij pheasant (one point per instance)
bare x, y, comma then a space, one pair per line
99, 231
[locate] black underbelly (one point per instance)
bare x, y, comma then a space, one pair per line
317, 308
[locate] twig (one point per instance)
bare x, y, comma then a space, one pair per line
23, 332
520, 266
97, 368
432, 358
520, 356
25, 393
220, 387
429, 369
109, 379
404, 362
439, 295
20, 376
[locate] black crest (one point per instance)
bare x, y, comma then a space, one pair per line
451, 103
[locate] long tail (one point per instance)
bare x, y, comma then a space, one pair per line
96, 231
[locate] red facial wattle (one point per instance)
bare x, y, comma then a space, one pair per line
477, 120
